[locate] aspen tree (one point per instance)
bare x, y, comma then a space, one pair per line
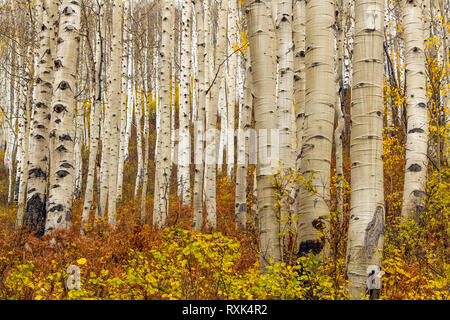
263, 74
233, 40
97, 67
318, 125
124, 109
163, 156
211, 119
416, 103
243, 147
338, 133
61, 127
298, 35
285, 103
199, 124
366, 226
115, 106
184, 149
34, 216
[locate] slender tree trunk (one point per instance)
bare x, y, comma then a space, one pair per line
299, 30
124, 97
184, 150
95, 123
200, 121
211, 121
243, 147
233, 41
366, 226
163, 156
417, 113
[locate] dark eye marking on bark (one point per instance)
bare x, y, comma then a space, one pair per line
416, 130
61, 148
62, 173
58, 108
58, 207
65, 137
374, 230
63, 85
415, 167
66, 165
37, 172
313, 246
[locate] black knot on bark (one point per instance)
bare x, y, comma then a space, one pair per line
415, 167
62, 173
58, 108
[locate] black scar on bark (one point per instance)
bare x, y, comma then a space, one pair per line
61, 148
65, 137
374, 230
415, 167
310, 246
37, 172
416, 130
318, 223
58, 207
58, 108
35, 215
62, 173
66, 165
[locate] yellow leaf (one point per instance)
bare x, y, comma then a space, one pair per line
81, 261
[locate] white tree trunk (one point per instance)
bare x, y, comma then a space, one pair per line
184, 148
62, 130
261, 36
199, 124
163, 156
318, 125
366, 226
417, 113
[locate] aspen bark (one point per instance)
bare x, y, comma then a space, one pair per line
298, 35
95, 123
233, 40
115, 106
243, 147
200, 121
184, 148
366, 226
125, 99
417, 113
163, 156
211, 137
263, 74
318, 125
62, 131
34, 217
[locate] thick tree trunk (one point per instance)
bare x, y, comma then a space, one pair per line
35, 212
62, 131
318, 126
366, 226
261, 36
